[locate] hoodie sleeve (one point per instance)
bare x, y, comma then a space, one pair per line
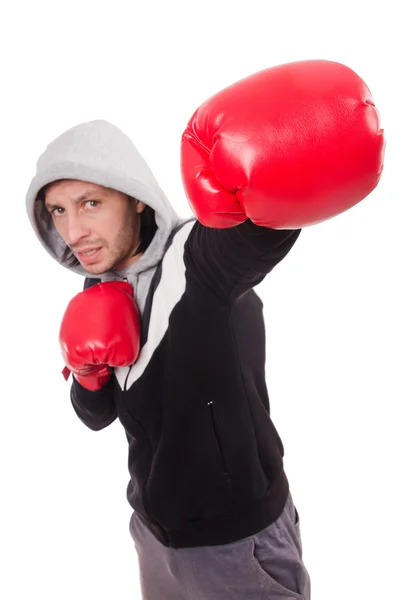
95, 409
229, 262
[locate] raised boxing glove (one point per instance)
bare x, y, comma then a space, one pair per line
100, 329
287, 147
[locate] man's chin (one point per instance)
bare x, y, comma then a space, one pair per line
96, 269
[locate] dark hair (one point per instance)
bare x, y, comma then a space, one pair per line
148, 228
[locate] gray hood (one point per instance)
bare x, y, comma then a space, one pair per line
100, 153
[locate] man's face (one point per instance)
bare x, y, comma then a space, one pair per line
100, 225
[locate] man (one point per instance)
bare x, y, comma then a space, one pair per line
168, 335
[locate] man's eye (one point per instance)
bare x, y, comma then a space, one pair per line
57, 210
92, 203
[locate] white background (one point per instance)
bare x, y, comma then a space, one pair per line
330, 307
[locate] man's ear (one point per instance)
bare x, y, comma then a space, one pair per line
140, 206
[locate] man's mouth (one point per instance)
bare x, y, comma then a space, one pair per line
90, 253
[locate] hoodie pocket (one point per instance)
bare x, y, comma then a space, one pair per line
217, 435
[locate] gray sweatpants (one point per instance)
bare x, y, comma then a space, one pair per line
265, 566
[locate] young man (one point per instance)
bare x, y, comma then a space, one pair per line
168, 335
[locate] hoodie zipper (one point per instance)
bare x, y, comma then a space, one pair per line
215, 427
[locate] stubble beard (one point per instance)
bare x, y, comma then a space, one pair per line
123, 247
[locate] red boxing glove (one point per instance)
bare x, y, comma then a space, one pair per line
287, 147
100, 329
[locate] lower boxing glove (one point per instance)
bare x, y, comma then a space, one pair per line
100, 329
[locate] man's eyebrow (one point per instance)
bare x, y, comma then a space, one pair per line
80, 198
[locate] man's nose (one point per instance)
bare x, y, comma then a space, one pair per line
76, 230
